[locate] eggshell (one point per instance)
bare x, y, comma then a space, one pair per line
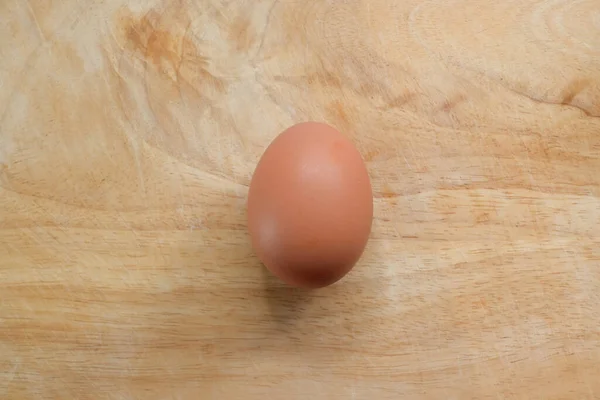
310, 206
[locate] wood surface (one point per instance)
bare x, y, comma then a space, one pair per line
129, 131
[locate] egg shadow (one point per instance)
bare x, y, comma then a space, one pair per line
286, 303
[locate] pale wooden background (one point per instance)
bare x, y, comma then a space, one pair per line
128, 134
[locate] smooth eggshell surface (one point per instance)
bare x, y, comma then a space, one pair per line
310, 206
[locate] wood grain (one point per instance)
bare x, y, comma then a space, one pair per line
128, 134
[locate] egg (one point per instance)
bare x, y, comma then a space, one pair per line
310, 206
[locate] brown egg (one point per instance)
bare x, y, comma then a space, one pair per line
310, 206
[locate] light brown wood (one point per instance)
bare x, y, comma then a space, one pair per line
128, 134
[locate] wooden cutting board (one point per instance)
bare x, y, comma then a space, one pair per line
128, 135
